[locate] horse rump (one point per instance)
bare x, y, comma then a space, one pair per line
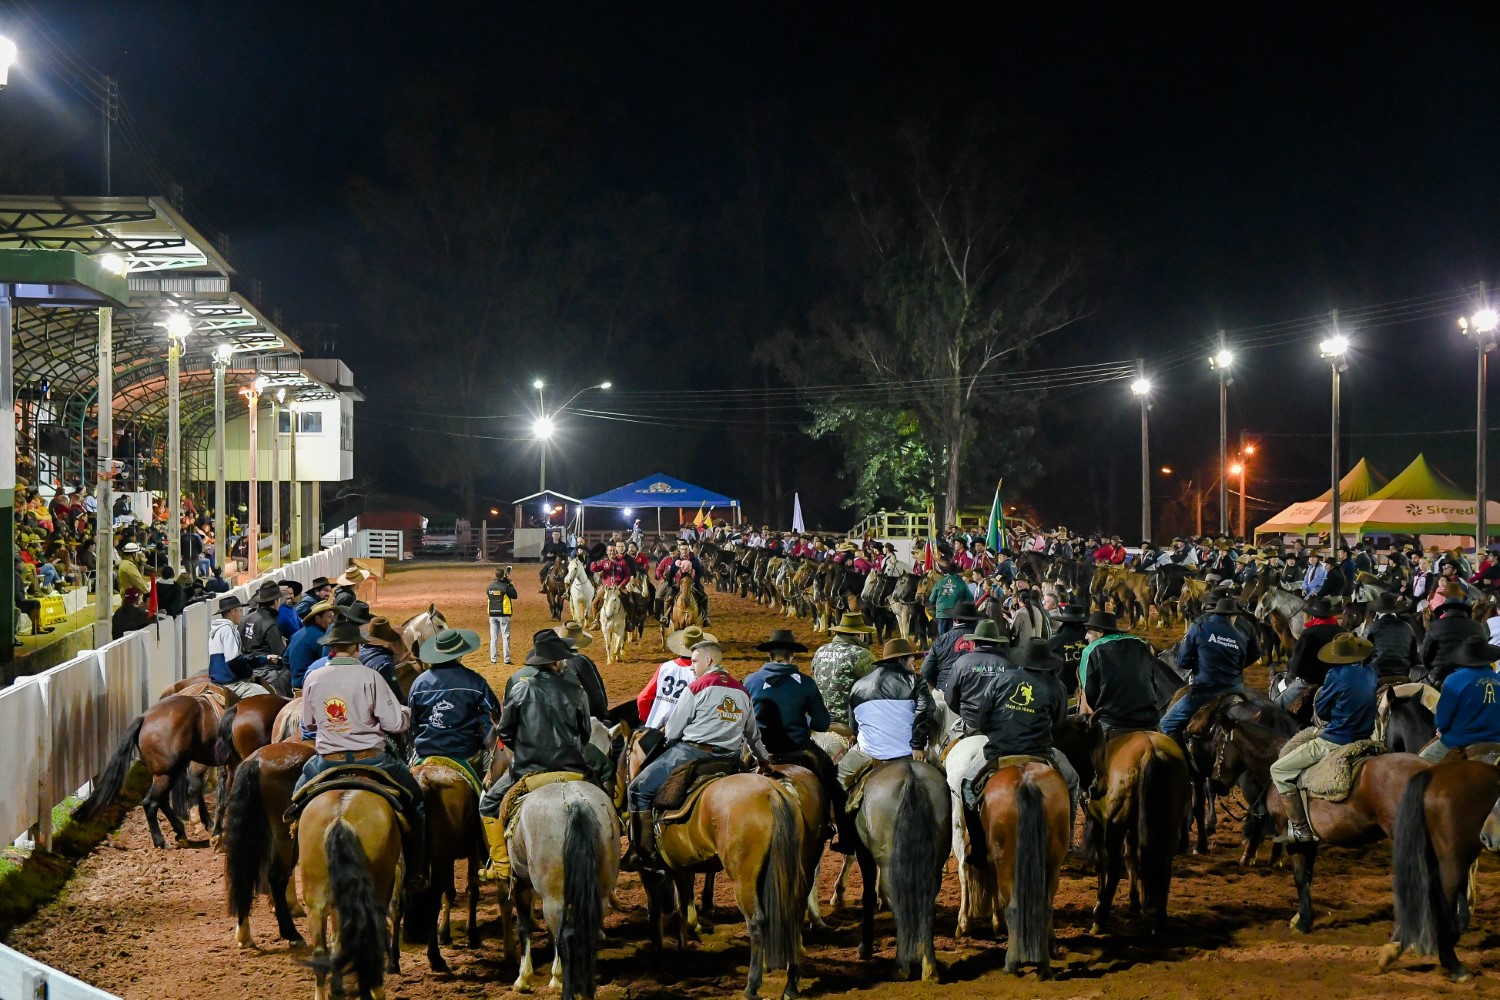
1424, 923
1161, 808
363, 933
107, 788
224, 741
781, 896
247, 839
583, 905
915, 870
1028, 912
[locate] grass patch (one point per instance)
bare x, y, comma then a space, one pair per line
30, 881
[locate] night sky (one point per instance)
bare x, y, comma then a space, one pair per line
1231, 169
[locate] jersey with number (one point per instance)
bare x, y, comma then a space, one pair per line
657, 701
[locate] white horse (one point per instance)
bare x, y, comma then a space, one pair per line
612, 624
974, 897
419, 628
580, 589
566, 849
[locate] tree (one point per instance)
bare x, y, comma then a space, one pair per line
950, 278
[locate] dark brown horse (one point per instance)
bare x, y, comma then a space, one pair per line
554, 588
246, 726
258, 846
814, 807
175, 733
1138, 823
454, 835
1447, 815
1024, 814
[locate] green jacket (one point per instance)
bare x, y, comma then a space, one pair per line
948, 593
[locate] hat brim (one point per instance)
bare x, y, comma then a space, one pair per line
793, 647
847, 630
1460, 660
678, 644
316, 610
996, 640
429, 654
1337, 661
580, 641
899, 656
1072, 619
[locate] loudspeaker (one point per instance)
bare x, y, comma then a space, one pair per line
52, 439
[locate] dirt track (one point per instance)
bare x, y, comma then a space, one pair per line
151, 924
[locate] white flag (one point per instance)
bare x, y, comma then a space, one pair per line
797, 524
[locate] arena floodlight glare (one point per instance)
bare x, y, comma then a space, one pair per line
1141, 387
1222, 359
261, 382
223, 353
605, 385
542, 428
1485, 321
537, 383
1334, 347
1236, 469
7, 59
113, 263
178, 327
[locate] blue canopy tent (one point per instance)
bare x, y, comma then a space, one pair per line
658, 491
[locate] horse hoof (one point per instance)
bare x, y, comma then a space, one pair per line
1298, 925
1387, 956
866, 953
1461, 975
1095, 928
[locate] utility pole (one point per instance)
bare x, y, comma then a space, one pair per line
111, 115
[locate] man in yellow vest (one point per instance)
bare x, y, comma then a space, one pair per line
502, 599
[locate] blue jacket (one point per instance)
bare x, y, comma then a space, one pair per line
451, 711
1468, 710
287, 621
788, 707
1212, 654
1346, 702
383, 662
301, 651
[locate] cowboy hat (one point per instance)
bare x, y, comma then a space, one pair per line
341, 633
316, 610
296, 586
268, 592
1102, 621
988, 630
553, 650
682, 641
357, 612
1073, 613
1225, 606
1346, 647
448, 645
897, 649
782, 638
1389, 601
380, 633
851, 623
1476, 651
130, 548
1454, 604
573, 632
1319, 607
966, 611
319, 582
846, 546
229, 602
353, 576
1037, 656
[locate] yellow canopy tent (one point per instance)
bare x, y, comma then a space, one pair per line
1419, 501
1358, 483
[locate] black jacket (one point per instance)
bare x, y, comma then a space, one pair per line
1395, 646
1304, 662
580, 671
939, 661
971, 676
1120, 686
1019, 711
129, 618
1443, 638
1067, 644
887, 682
260, 633
545, 723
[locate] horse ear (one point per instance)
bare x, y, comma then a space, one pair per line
432, 608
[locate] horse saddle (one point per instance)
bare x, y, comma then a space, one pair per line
1333, 777
680, 792
464, 767
1201, 725
510, 806
973, 786
1485, 753
352, 777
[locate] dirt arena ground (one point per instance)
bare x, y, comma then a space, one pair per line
151, 924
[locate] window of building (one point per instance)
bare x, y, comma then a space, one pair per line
308, 422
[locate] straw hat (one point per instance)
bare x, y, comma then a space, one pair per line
1346, 647
316, 610
682, 641
573, 632
851, 623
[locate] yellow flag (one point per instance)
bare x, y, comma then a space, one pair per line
698, 517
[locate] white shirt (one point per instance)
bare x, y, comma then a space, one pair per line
884, 728
672, 679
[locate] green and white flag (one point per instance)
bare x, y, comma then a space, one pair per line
995, 537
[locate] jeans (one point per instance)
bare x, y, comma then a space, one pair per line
1291, 692
500, 630
1435, 751
944, 625
317, 764
1178, 716
646, 784
1286, 769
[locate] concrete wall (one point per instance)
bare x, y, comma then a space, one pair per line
324, 456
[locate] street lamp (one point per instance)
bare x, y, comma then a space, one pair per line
1141, 388
545, 424
1240, 469
294, 409
252, 525
222, 354
1221, 362
1482, 325
1334, 348
178, 327
277, 402
7, 59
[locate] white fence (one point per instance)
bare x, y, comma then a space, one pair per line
23, 978
377, 543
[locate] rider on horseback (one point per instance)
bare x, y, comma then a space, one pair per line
671, 570
1303, 670
839, 663
951, 645
350, 710
658, 699
452, 707
891, 713
227, 665
1116, 671
1346, 701
553, 548
1213, 656
713, 719
1468, 710
976, 672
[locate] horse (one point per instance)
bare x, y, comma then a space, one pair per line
1023, 811
1447, 814
580, 590
1367, 815
565, 848
685, 611
423, 626
258, 845
1407, 724
1138, 822
749, 825
1200, 739
175, 733
454, 834
349, 850
554, 588
245, 727
612, 624
904, 831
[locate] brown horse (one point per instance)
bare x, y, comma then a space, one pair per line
554, 588
175, 733
258, 845
684, 611
246, 726
287, 727
349, 850
1024, 814
454, 834
814, 807
748, 824
1446, 815
1138, 823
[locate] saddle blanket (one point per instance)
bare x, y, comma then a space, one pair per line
463, 767
510, 806
351, 777
1332, 778
680, 792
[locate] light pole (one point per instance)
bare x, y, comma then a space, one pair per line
1482, 325
1221, 362
1333, 349
221, 357
178, 328
252, 522
1241, 468
294, 408
545, 424
276, 403
7, 60
1141, 387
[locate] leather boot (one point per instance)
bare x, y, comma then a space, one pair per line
498, 870
1298, 829
642, 853
843, 823
414, 847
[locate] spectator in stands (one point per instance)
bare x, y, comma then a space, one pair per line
27, 604
131, 574
216, 584
170, 598
130, 617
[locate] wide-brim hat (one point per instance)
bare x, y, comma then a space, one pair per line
1225, 606
1389, 601
1319, 607
851, 623
682, 641
130, 548
782, 638
319, 581
1103, 621
1453, 604
988, 630
574, 633
448, 645
1073, 613
897, 649
549, 650
966, 611
316, 610
1037, 656
847, 547
296, 586
268, 592
357, 612
1476, 651
1346, 647
352, 577
229, 602
342, 633
382, 633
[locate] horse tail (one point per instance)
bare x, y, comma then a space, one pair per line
224, 743
362, 942
583, 905
107, 788
781, 896
1158, 802
915, 870
247, 839
1028, 914
1424, 923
